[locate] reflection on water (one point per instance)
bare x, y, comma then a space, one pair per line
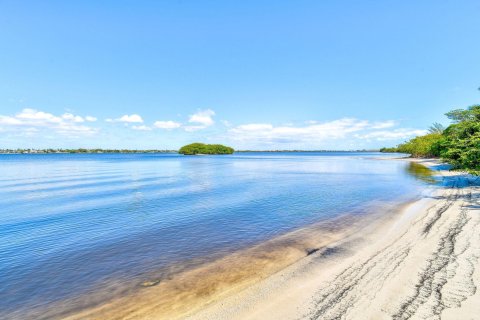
419, 171
71, 225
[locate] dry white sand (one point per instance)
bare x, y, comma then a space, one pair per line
421, 265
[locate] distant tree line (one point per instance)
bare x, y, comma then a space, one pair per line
201, 148
458, 144
81, 150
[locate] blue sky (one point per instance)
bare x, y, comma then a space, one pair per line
251, 74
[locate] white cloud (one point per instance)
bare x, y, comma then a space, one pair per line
401, 133
141, 128
203, 118
71, 117
167, 124
328, 130
384, 124
90, 119
6, 120
37, 116
31, 120
315, 134
133, 118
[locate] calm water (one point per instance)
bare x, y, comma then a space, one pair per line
70, 222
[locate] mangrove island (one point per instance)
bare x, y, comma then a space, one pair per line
202, 148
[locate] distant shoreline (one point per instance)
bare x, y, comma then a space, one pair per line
80, 151
128, 151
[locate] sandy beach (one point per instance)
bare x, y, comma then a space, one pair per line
418, 263
422, 264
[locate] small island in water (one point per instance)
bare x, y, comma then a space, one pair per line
202, 148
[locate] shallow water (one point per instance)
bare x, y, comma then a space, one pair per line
71, 222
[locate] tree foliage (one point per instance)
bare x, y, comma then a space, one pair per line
472, 113
422, 146
385, 149
201, 148
461, 144
458, 144
436, 128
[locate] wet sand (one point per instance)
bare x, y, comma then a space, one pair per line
177, 293
182, 294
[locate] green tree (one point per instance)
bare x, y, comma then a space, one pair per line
201, 148
423, 146
461, 144
385, 149
472, 113
436, 128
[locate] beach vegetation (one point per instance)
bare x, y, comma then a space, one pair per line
422, 146
461, 143
458, 144
386, 149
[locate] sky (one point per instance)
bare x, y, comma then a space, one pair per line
262, 75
